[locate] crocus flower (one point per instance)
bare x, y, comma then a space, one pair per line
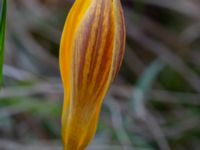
91, 52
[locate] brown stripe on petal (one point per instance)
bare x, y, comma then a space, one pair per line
71, 25
82, 45
101, 91
73, 79
118, 51
90, 50
120, 38
84, 95
97, 52
73, 20
104, 56
92, 54
97, 43
105, 66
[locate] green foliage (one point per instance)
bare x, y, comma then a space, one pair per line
2, 34
145, 83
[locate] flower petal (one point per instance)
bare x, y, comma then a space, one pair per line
91, 55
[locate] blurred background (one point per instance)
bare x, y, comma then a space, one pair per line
154, 104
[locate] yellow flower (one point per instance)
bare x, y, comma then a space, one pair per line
91, 52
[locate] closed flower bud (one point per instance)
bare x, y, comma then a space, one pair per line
91, 52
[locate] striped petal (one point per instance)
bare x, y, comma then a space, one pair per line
92, 48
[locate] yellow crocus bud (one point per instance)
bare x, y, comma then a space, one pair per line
91, 52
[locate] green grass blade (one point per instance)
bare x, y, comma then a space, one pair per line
147, 79
145, 83
2, 34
